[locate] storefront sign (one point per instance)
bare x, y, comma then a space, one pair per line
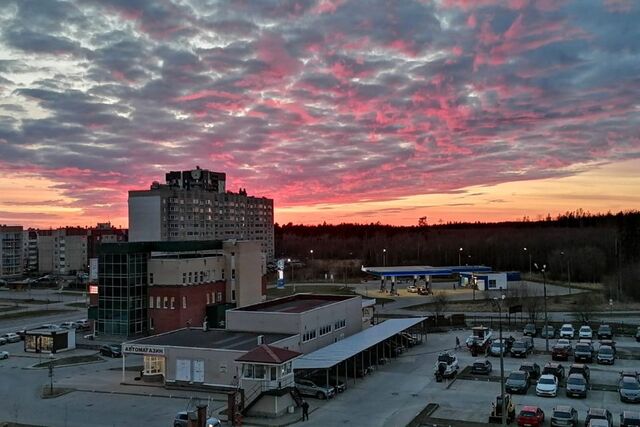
143, 349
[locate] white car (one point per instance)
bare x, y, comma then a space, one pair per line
11, 337
585, 332
69, 325
4, 355
567, 331
412, 289
547, 386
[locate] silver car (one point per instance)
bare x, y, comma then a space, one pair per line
310, 388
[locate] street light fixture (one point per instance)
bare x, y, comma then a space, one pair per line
529, 252
384, 257
459, 253
498, 303
543, 270
312, 275
610, 309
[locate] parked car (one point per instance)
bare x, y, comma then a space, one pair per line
530, 416
549, 332
605, 332
68, 325
629, 419
520, 348
632, 374
412, 289
638, 334
610, 343
11, 337
111, 350
555, 369
182, 420
582, 369
599, 423
606, 355
517, 382
308, 387
3, 341
482, 366
530, 330
321, 379
4, 355
567, 331
629, 389
577, 386
564, 416
561, 351
83, 324
547, 385
599, 414
585, 332
532, 368
583, 352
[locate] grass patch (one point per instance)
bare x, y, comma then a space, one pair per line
77, 304
27, 300
34, 313
71, 360
48, 393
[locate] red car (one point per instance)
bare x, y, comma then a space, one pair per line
530, 416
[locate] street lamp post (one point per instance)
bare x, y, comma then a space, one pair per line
51, 359
529, 252
503, 415
610, 309
311, 252
384, 257
292, 282
546, 320
459, 254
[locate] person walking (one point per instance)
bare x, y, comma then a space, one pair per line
457, 343
305, 410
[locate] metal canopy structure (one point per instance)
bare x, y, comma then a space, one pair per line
425, 270
340, 351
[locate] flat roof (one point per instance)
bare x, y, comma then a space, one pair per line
212, 338
297, 303
331, 355
424, 270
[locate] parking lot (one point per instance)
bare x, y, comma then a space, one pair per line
392, 395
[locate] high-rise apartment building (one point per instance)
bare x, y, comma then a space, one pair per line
194, 205
11, 250
62, 251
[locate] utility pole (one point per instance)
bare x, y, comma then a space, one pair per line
503, 415
543, 270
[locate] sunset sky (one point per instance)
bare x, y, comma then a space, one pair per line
341, 111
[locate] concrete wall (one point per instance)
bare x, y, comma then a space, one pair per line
219, 365
169, 271
75, 253
279, 323
271, 406
349, 310
245, 268
45, 253
144, 218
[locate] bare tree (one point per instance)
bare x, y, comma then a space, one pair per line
531, 303
585, 306
440, 303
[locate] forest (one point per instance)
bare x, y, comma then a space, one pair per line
575, 246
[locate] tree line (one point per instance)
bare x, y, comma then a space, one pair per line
576, 246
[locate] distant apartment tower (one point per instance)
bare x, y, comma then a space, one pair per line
62, 251
11, 250
30, 252
194, 205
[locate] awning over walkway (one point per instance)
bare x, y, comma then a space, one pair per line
424, 270
340, 351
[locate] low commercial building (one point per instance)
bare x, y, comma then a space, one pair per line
162, 286
489, 281
46, 340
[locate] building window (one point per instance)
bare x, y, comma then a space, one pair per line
233, 295
219, 297
158, 303
173, 301
184, 302
151, 278
184, 278
151, 323
208, 299
190, 278
165, 302
324, 330
309, 335
340, 324
233, 273
150, 302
